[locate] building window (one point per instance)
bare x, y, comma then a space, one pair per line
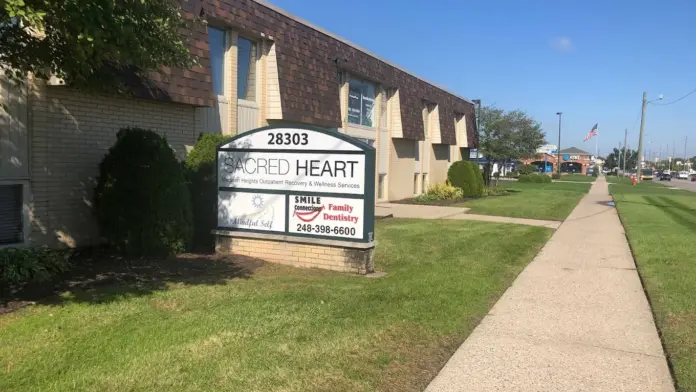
361, 102
216, 39
11, 219
424, 187
415, 184
380, 186
246, 69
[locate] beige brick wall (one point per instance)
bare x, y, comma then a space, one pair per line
70, 133
439, 163
401, 168
357, 261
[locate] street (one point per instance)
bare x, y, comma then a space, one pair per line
683, 184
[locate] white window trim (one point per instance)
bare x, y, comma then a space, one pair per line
26, 201
378, 88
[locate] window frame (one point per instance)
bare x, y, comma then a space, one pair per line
376, 95
26, 225
257, 54
225, 48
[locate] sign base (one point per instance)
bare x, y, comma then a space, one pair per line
335, 255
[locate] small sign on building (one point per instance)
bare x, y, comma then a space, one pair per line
291, 185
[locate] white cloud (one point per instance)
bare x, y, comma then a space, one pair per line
561, 44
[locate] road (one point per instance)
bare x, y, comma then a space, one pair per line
683, 184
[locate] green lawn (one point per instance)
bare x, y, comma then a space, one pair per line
628, 181
661, 227
279, 329
577, 178
552, 201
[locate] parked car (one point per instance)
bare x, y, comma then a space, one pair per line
683, 175
693, 178
665, 176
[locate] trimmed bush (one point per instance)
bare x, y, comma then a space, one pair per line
494, 191
24, 266
534, 178
200, 171
444, 191
466, 176
556, 176
142, 200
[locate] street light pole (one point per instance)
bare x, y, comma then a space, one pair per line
477, 102
640, 138
624, 152
558, 157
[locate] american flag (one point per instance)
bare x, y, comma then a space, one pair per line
593, 132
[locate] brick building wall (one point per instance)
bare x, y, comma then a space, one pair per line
70, 133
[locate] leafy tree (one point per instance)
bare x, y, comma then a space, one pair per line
616, 158
91, 44
507, 136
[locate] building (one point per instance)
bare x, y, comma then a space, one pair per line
259, 65
573, 160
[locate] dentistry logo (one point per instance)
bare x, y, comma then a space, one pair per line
307, 208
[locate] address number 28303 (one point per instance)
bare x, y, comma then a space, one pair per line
289, 139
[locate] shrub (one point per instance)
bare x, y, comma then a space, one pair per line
535, 178
526, 169
595, 171
444, 191
141, 200
200, 171
496, 175
512, 174
23, 266
466, 176
556, 176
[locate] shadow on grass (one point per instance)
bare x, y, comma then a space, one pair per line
101, 277
672, 207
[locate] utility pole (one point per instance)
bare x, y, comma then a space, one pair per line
640, 137
660, 161
558, 157
624, 151
685, 139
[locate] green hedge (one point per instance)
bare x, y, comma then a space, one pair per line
24, 266
466, 176
142, 200
200, 166
534, 178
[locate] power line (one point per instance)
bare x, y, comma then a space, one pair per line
676, 100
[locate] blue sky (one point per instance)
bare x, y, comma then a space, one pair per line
592, 60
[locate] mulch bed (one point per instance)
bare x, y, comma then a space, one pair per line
99, 276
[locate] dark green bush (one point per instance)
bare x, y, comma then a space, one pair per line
556, 176
466, 176
512, 174
200, 167
595, 171
22, 266
526, 169
496, 175
534, 178
142, 201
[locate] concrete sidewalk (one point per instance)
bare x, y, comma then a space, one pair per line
576, 319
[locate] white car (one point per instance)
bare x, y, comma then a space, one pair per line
683, 175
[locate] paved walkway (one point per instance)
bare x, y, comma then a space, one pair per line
440, 212
576, 319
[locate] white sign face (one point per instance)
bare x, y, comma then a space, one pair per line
326, 216
301, 182
250, 210
305, 172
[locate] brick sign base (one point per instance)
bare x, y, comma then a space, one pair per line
332, 255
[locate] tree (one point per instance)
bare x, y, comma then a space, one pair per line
507, 136
616, 158
91, 44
